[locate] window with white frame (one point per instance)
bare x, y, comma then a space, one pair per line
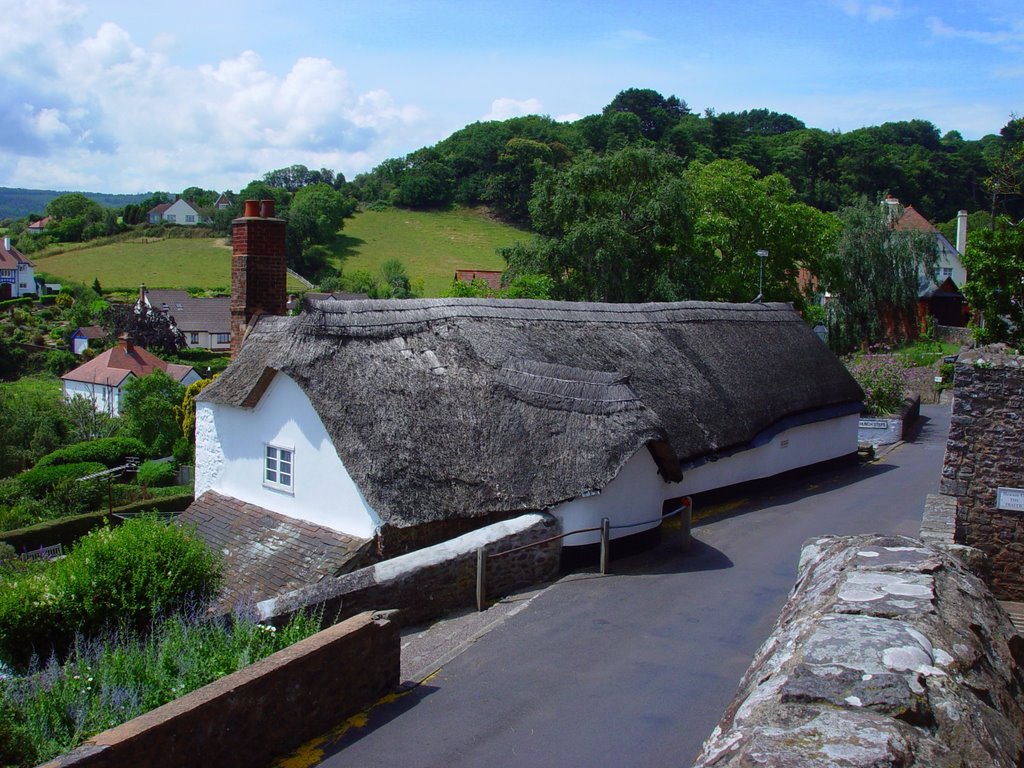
223, 338
193, 338
278, 467
947, 271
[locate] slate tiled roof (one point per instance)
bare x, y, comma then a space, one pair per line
265, 553
192, 313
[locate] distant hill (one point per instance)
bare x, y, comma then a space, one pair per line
16, 203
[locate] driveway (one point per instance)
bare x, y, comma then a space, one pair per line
636, 668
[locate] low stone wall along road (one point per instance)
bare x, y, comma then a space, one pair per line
636, 668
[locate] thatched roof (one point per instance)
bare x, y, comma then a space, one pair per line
460, 407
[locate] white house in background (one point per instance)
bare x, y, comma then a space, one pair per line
102, 379
17, 273
205, 322
179, 212
407, 421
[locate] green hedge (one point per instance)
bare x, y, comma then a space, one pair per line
37, 481
67, 530
113, 577
109, 451
157, 474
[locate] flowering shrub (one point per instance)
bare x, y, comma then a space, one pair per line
884, 381
112, 576
121, 675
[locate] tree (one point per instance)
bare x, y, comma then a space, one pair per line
995, 282
73, 215
612, 228
396, 278
735, 214
656, 113
147, 327
148, 410
185, 412
874, 274
316, 214
295, 177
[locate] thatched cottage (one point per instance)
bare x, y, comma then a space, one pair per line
373, 416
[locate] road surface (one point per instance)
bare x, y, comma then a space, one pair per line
636, 668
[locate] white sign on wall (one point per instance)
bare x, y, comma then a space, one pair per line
1011, 499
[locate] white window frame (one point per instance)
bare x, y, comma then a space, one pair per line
273, 477
193, 337
223, 338
947, 272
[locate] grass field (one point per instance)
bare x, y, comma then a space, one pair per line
430, 245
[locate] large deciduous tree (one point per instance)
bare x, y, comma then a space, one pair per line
874, 274
148, 409
612, 228
995, 281
315, 215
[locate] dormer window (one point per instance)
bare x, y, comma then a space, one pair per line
278, 468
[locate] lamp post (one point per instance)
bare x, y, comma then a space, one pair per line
762, 255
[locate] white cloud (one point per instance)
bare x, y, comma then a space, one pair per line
1011, 34
102, 112
504, 108
570, 117
873, 12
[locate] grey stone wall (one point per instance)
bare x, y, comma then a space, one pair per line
888, 653
871, 432
984, 452
430, 582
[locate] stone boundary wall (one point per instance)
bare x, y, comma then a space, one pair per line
260, 712
888, 652
895, 428
953, 334
427, 583
984, 453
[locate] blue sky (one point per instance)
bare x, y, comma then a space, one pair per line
121, 97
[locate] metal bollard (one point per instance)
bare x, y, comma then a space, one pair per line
481, 578
605, 535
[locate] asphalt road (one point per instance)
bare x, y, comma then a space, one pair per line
636, 668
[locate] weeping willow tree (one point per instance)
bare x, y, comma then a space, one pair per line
875, 274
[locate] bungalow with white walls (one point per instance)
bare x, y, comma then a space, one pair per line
17, 273
102, 379
179, 212
205, 322
388, 418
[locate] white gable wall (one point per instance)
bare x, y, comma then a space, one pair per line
105, 399
230, 446
180, 212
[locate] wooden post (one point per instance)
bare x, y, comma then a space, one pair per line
481, 578
605, 536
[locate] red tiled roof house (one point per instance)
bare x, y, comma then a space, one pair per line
103, 378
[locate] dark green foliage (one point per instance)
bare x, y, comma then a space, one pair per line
315, 215
157, 473
995, 282
147, 408
109, 451
396, 279
295, 177
60, 361
113, 576
39, 481
655, 113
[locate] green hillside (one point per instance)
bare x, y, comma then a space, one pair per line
430, 245
16, 202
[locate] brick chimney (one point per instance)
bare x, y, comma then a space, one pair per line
259, 269
126, 343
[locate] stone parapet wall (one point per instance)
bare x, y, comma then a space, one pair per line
984, 453
425, 584
889, 652
263, 711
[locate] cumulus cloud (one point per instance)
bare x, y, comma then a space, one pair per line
95, 109
504, 108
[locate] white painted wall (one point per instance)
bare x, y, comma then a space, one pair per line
105, 399
179, 213
637, 492
230, 451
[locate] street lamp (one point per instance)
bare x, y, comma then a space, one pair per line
821, 331
762, 255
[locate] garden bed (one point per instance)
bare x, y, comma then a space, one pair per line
886, 430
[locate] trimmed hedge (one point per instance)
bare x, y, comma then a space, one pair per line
109, 451
37, 481
67, 530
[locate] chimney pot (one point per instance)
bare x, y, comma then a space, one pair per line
252, 209
267, 209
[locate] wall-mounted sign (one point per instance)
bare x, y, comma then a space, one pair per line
873, 424
1011, 499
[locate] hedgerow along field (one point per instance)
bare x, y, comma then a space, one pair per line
431, 245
